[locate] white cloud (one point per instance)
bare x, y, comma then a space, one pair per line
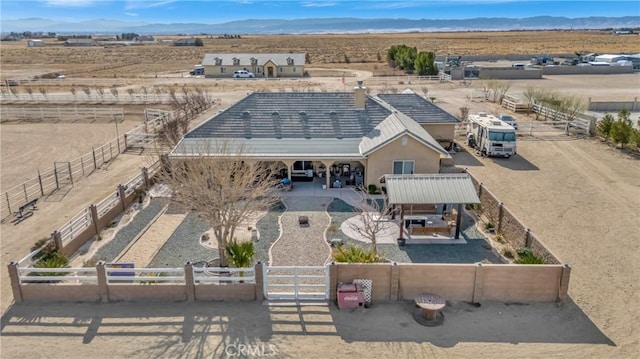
69, 3
146, 4
318, 4
131, 14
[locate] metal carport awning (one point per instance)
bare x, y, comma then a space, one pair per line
412, 190
455, 188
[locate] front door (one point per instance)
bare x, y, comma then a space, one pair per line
269, 71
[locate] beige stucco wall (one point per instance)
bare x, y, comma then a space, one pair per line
441, 131
380, 162
213, 71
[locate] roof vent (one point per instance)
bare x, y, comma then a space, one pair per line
246, 113
332, 113
275, 113
302, 113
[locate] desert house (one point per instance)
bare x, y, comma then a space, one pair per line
350, 137
261, 65
80, 42
35, 43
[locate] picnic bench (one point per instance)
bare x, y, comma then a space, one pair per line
26, 208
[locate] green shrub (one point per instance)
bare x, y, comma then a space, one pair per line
49, 248
353, 254
489, 226
372, 188
524, 251
526, 256
604, 126
240, 254
532, 259
507, 252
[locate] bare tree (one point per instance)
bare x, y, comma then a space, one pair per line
29, 90
464, 113
43, 91
73, 91
530, 95
100, 91
114, 90
372, 218
130, 91
186, 106
225, 189
87, 91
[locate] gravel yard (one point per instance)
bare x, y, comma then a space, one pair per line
124, 236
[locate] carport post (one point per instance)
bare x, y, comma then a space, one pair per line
458, 220
40, 182
95, 163
189, 287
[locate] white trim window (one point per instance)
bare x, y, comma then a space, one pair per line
223, 70
401, 167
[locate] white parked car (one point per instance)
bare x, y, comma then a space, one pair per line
509, 120
243, 74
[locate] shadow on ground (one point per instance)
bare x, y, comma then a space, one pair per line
205, 329
492, 322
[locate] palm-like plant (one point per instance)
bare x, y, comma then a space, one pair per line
240, 254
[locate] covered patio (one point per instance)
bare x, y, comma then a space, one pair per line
430, 205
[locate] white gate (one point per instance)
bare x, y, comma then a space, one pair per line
296, 283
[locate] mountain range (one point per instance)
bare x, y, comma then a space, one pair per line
323, 25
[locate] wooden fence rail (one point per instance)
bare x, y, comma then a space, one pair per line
61, 114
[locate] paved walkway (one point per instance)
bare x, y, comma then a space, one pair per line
298, 245
145, 248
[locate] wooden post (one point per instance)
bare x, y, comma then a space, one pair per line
57, 240
70, 173
94, 217
190, 286
95, 163
259, 275
24, 189
123, 194
563, 287
55, 172
145, 176
82, 165
40, 182
333, 282
14, 278
500, 215
103, 284
394, 289
527, 238
478, 284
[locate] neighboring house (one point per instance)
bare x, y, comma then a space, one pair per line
80, 42
147, 38
104, 37
262, 65
185, 42
35, 43
312, 135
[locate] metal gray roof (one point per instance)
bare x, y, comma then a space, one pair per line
431, 188
245, 59
418, 108
294, 115
272, 149
394, 126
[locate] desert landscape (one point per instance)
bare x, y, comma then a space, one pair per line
579, 195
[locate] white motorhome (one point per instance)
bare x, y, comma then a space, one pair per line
490, 136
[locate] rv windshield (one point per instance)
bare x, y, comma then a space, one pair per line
502, 136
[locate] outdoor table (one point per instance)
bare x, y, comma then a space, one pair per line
431, 304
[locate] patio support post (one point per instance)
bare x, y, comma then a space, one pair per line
289, 165
14, 278
327, 174
564, 283
259, 275
333, 282
103, 286
458, 220
500, 216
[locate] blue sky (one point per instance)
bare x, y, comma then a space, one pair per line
217, 11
